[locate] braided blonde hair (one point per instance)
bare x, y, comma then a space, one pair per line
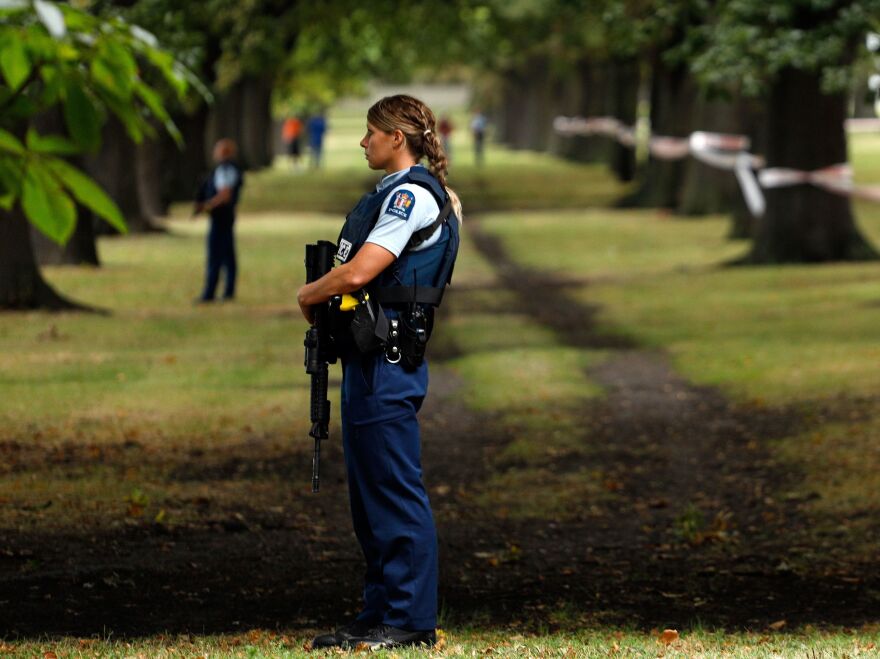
417, 123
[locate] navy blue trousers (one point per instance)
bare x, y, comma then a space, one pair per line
221, 256
389, 505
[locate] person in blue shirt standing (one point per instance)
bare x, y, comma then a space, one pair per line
316, 128
218, 197
398, 246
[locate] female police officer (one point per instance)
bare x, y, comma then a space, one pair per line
398, 248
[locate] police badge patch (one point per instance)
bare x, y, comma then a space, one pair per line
344, 249
401, 204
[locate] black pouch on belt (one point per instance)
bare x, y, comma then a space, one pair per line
415, 330
369, 326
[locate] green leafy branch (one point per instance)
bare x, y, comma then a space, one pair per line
47, 185
54, 56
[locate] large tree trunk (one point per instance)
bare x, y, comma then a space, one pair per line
183, 169
805, 132
623, 99
513, 122
609, 88
706, 189
243, 113
863, 99
540, 104
114, 167
569, 94
148, 179
753, 123
673, 92
81, 249
594, 84
21, 284
256, 122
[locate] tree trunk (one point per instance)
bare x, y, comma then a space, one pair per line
519, 125
623, 100
593, 103
539, 105
244, 114
568, 94
706, 189
183, 169
863, 98
21, 284
673, 93
224, 119
512, 125
148, 178
81, 249
805, 132
753, 122
114, 167
256, 123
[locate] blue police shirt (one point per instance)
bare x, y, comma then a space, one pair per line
406, 209
225, 176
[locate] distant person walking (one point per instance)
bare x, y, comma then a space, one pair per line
218, 196
291, 133
316, 128
478, 130
445, 129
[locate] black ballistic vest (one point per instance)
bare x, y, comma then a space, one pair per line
416, 276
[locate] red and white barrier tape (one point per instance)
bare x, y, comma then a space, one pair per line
728, 152
837, 179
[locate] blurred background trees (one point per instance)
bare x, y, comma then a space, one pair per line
141, 118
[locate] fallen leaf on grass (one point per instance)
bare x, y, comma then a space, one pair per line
50, 655
669, 636
441, 640
612, 485
779, 624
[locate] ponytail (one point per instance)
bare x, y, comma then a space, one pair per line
437, 165
416, 121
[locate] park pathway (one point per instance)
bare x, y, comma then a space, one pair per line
704, 523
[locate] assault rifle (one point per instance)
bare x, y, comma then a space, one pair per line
320, 352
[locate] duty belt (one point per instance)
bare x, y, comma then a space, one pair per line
392, 347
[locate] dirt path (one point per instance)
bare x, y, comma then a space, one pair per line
279, 557
673, 452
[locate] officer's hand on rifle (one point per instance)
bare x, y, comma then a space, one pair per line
308, 311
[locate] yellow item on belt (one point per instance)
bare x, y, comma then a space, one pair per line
349, 302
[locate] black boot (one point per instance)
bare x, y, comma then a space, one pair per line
386, 636
341, 636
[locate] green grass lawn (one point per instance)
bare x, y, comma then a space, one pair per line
163, 373
473, 643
